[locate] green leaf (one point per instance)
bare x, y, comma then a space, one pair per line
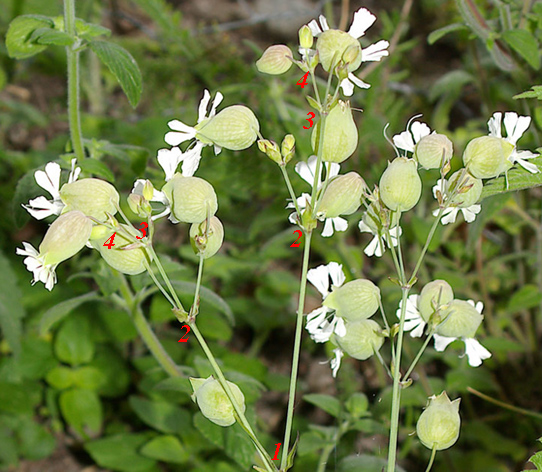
441, 32
50, 36
365, 463
311, 442
73, 344
11, 310
20, 29
176, 384
536, 92
161, 415
327, 403
115, 371
525, 44
19, 398
166, 449
537, 460
35, 442
93, 166
82, 410
120, 452
518, 179
123, 66
60, 377
88, 377
89, 31
212, 432
526, 297
63, 309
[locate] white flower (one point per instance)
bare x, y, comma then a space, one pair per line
157, 196
413, 319
306, 171
363, 20
449, 215
35, 263
182, 132
377, 246
49, 180
408, 139
169, 160
319, 324
336, 362
515, 126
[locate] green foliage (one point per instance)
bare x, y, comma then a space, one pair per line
11, 312
518, 179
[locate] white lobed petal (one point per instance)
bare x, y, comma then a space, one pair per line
375, 247
363, 20
494, 125
217, 101
336, 273
169, 160
442, 342
50, 179
191, 160
334, 224
375, 52
475, 352
419, 130
306, 170
340, 328
41, 208
315, 28
323, 22
174, 138
204, 102
449, 215
336, 361
470, 213
319, 277
347, 87
74, 173
515, 126
404, 141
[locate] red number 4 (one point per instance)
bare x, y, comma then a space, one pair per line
303, 80
109, 242
295, 243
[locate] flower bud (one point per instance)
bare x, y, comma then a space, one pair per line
99, 232
192, 198
139, 205
93, 197
271, 150
342, 197
340, 134
377, 217
207, 242
487, 157
460, 320
400, 184
434, 296
213, 401
355, 300
275, 60
439, 424
66, 236
471, 189
234, 128
332, 45
362, 339
305, 37
148, 190
128, 261
287, 148
433, 150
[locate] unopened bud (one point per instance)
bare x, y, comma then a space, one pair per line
470, 191
207, 242
400, 185
433, 150
93, 197
362, 339
234, 128
99, 232
433, 297
275, 60
305, 37
148, 190
213, 401
460, 320
342, 197
355, 300
487, 157
287, 148
340, 134
270, 149
439, 424
139, 205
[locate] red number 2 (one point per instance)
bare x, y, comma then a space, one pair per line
309, 120
275, 457
143, 230
182, 340
295, 243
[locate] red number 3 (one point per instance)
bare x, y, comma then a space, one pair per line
143, 230
309, 120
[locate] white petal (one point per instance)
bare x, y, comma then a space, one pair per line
449, 215
441, 186
319, 277
315, 28
358, 81
50, 179
41, 208
336, 273
323, 333
315, 318
340, 224
328, 228
364, 228
475, 352
375, 51
404, 141
417, 331
441, 342
169, 160
340, 328
217, 101
323, 22
363, 19
528, 166
375, 247
515, 126
336, 362
202, 109
333, 169
217, 149
28, 250
494, 125
478, 305
191, 160
419, 130
174, 138
348, 87
306, 170
74, 173
395, 233
470, 213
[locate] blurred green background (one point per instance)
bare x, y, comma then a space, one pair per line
83, 393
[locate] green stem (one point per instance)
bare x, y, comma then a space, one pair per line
195, 306
240, 414
297, 349
417, 358
328, 449
507, 406
433, 454
72, 54
426, 246
290, 190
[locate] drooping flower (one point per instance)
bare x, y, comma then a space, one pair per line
469, 210
157, 196
363, 20
413, 318
408, 139
49, 180
515, 126
371, 223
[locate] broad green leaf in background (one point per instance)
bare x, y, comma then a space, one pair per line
63, 309
526, 297
35, 442
518, 179
327, 403
89, 31
166, 448
19, 398
536, 92
365, 463
121, 452
161, 415
93, 166
123, 66
525, 44
88, 377
82, 410
51, 36
73, 343
441, 32
60, 377
11, 310
20, 29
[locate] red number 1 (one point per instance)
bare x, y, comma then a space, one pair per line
295, 243
182, 340
275, 457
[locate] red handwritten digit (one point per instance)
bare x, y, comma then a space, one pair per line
302, 81
309, 120
182, 340
275, 457
295, 243
109, 242
143, 230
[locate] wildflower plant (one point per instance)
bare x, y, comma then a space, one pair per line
87, 212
